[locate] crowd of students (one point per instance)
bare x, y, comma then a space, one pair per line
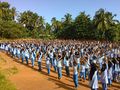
97, 61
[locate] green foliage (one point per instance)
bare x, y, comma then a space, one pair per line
9, 29
31, 20
82, 25
30, 24
104, 22
7, 13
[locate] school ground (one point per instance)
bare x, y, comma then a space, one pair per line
28, 78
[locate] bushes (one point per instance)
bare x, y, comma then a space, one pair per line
10, 29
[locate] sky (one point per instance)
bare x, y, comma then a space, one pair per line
58, 8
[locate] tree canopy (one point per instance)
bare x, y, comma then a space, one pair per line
25, 24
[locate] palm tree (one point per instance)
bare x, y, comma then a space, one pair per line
13, 13
103, 21
48, 28
54, 25
41, 22
28, 19
23, 18
67, 19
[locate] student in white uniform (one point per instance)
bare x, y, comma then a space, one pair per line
77, 56
82, 71
87, 67
23, 54
40, 55
48, 63
75, 74
14, 52
18, 52
93, 76
33, 55
67, 66
110, 76
55, 62
51, 57
26, 55
104, 76
117, 68
59, 67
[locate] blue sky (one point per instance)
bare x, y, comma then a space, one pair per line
58, 8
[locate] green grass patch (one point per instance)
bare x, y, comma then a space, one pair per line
5, 84
10, 71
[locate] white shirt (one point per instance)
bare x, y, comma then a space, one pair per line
51, 54
18, 51
47, 60
75, 69
94, 81
110, 73
55, 62
6, 48
67, 62
117, 67
59, 64
101, 59
26, 53
40, 57
82, 68
104, 76
14, 51
78, 60
87, 64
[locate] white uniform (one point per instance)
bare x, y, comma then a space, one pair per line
94, 81
75, 69
59, 64
104, 76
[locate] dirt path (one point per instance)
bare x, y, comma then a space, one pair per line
29, 78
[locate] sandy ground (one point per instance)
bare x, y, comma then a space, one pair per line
29, 78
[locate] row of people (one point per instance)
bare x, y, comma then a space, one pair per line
95, 60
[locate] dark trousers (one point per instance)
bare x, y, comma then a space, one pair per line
26, 58
67, 70
39, 66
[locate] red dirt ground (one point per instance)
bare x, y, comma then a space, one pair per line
29, 78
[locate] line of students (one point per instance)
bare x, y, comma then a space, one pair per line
93, 60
